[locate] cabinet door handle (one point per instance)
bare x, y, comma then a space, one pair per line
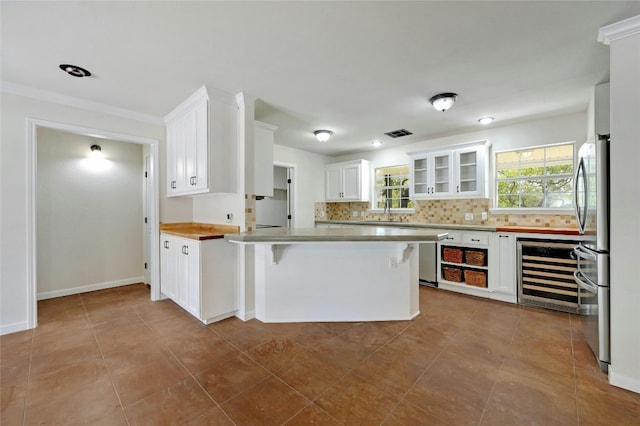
173, 184
193, 180
503, 236
475, 240
450, 238
185, 250
166, 244
457, 188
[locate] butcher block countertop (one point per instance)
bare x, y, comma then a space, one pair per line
198, 231
538, 230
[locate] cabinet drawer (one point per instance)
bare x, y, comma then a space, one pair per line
452, 237
476, 239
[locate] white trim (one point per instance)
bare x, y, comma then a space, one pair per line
619, 30
14, 327
623, 381
48, 96
32, 127
90, 287
245, 316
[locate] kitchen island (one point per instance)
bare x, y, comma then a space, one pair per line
324, 274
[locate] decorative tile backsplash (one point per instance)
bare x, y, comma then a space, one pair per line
444, 211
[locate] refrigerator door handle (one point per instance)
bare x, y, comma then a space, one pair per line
586, 285
581, 207
584, 254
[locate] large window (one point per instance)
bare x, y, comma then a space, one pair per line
392, 188
540, 177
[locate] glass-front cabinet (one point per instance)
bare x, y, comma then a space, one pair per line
458, 172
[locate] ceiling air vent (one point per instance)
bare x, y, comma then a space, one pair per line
398, 133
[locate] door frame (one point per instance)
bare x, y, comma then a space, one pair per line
292, 189
32, 140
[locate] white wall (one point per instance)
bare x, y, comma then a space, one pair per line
88, 219
308, 182
564, 128
625, 204
213, 208
14, 230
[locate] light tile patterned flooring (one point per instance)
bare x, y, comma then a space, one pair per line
113, 357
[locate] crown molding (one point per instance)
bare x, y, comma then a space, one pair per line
619, 30
48, 96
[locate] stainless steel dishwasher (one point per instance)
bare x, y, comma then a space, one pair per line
428, 264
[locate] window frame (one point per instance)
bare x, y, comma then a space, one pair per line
532, 210
373, 207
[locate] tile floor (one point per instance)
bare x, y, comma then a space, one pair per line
113, 357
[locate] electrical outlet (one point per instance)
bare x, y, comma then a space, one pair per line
363, 213
468, 216
355, 213
485, 216
322, 213
393, 263
229, 217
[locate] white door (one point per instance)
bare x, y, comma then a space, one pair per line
333, 183
351, 182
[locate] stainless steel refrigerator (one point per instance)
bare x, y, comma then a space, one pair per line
592, 255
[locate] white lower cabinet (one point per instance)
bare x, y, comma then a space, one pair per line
200, 276
504, 265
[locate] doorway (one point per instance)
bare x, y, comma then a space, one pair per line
278, 210
150, 147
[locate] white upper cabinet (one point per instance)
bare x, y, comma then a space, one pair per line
459, 172
263, 154
202, 153
347, 181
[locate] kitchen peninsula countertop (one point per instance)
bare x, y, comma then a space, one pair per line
198, 231
356, 234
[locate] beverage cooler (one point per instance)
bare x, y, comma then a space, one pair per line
546, 276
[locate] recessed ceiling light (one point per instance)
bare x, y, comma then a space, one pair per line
376, 143
485, 120
75, 70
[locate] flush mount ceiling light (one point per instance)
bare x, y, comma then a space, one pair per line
485, 120
75, 70
323, 135
443, 101
376, 143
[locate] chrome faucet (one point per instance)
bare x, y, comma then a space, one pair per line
387, 208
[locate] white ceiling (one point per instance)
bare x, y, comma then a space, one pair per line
357, 68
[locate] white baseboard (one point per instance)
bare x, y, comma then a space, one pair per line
245, 315
622, 381
87, 288
13, 328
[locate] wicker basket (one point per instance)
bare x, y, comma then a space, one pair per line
475, 278
453, 255
452, 274
475, 257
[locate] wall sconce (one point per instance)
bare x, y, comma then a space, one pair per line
96, 152
443, 101
323, 135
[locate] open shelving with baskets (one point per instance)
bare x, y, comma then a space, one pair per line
464, 261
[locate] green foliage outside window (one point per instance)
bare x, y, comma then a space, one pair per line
392, 188
535, 178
